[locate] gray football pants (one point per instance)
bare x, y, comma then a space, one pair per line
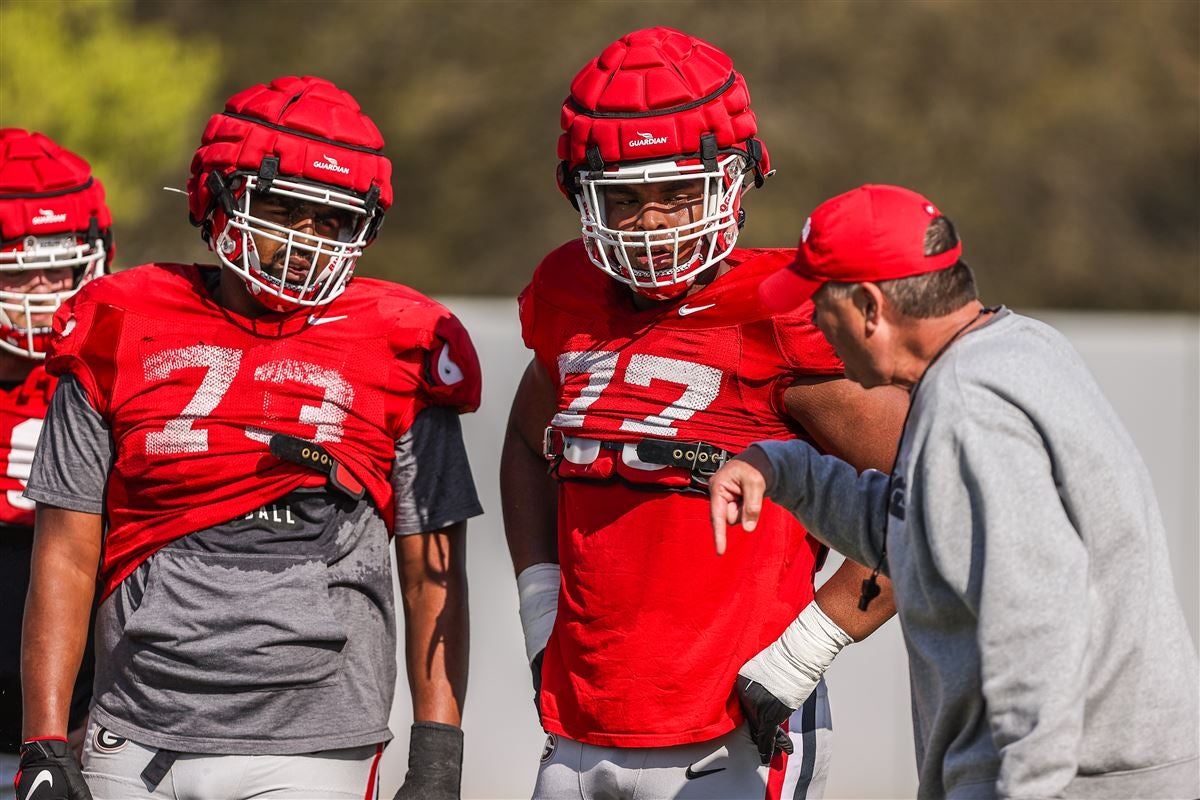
726, 768
112, 767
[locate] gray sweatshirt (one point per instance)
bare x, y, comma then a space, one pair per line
1048, 655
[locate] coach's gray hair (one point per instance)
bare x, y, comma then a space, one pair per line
934, 294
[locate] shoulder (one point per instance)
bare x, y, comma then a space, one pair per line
1010, 374
567, 279
423, 335
145, 283
765, 260
411, 318
1013, 350
798, 340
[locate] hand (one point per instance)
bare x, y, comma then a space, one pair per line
48, 771
736, 493
435, 752
535, 667
765, 713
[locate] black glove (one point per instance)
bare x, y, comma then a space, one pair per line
535, 667
49, 771
435, 752
764, 714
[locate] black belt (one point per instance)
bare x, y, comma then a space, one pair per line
313, 456
700, 458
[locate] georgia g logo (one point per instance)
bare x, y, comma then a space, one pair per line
105, 741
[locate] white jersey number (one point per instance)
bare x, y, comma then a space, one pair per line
701, 384
180, 435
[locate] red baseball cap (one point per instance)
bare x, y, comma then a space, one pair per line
872, 233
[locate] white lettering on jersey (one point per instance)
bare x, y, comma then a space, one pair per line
339, 395
24, 441
599, 365
178, 435
702, 384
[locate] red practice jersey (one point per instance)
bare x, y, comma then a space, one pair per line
192, 393
22, 410
652, 626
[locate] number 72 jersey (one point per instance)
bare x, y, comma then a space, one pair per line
192, 393
710, 368
652, 625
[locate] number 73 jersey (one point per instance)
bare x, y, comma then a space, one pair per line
192, 394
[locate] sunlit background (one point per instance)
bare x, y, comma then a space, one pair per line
1063, 138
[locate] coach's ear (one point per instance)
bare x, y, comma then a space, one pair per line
869, 299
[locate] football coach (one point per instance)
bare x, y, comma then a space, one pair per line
1047, 651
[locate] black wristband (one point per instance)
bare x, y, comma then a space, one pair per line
435, 753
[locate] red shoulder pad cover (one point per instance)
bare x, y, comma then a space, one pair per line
87, 324
435, 357
802, 342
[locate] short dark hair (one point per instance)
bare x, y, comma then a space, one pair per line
933, 294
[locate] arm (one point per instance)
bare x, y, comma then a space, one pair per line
433, 585
528, 493
862, 427
62, 587
435, 494
529, 499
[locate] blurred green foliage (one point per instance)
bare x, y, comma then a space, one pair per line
1062, 137
126, 97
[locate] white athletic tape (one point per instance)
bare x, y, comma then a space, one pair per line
537, 588
791, 666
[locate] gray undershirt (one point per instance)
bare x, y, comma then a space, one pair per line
272, 633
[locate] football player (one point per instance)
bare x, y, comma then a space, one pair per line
653, 363
229, 449
55, 236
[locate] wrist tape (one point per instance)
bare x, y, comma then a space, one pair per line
791, 666
537, 590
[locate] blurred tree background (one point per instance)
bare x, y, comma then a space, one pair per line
1062, 137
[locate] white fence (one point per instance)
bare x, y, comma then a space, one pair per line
1149, 366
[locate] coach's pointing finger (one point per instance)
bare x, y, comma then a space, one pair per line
736, 492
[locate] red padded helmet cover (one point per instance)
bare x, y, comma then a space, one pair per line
650, 96
317, 131
46, 189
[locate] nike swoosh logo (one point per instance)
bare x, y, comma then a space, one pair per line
691, 774
324, 320
685, 310
45, 776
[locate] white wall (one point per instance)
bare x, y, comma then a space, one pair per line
1148, 365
